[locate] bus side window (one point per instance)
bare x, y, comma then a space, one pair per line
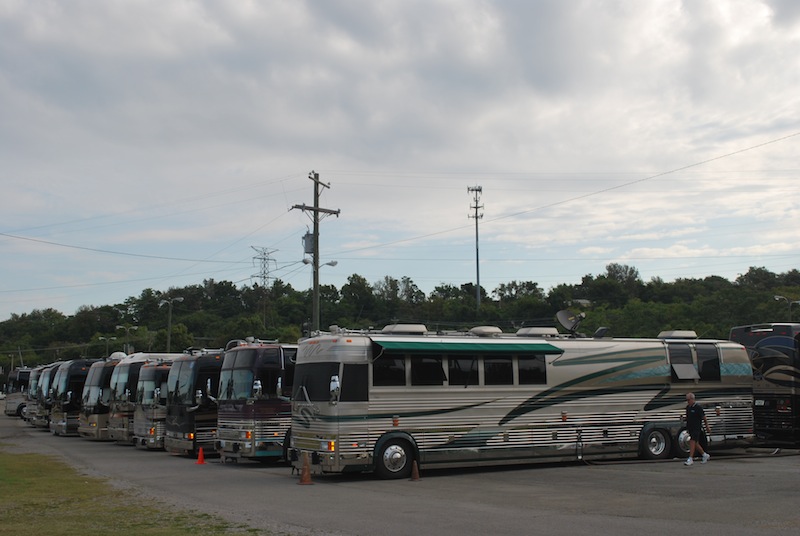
681, 363
354, 383
463, 370
427, 370
532, 370
708, 362
498, 370
389, 371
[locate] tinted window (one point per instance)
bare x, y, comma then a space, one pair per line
708, 362
680, 357
427, 370
354, 386
463, 370
532, 369
389, 370
313, 380
498, 371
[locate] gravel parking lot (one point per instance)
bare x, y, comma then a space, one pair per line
736, 493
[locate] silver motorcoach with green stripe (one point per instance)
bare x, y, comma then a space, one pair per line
384, 400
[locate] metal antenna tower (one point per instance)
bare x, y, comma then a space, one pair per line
263, 258
477, 190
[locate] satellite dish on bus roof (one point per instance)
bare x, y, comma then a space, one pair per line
569, 320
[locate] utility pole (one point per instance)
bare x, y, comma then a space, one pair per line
169, 318
477, 190
316, 211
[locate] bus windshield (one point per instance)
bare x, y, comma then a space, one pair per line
312, 381
149, 379
119, 381
33, 384
92, 388
61, 380
181, 383
236, 384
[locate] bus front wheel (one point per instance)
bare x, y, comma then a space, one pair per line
656, 444
394, 459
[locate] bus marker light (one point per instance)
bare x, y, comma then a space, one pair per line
330, 446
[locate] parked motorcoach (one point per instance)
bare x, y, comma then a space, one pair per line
773, 350
124, 382
383, 400
192, 386
33, 393
254, 411
93, 417
40, 417
150, 411
65, 394
16, 391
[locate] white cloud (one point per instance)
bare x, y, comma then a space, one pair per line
597, 130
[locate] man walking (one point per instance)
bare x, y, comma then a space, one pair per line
695, 418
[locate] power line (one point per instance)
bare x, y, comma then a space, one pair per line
110, 252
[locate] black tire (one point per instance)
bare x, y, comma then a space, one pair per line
394, 459
286, 441
656, 444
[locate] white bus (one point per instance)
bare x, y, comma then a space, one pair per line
379, 401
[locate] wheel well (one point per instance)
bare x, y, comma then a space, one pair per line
669, 428
396, 435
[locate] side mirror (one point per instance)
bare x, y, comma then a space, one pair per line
198, 395
69, 397
156, 394
335, 387
257, 388
279, 387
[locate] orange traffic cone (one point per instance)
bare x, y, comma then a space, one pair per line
201, 459
305, 474
414, 470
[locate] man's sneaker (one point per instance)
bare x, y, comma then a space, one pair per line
688, 461
706, 457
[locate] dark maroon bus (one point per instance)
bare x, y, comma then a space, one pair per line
255, 412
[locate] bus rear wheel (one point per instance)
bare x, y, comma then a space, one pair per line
656, 444
394, 459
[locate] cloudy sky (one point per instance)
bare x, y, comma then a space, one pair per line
152, 144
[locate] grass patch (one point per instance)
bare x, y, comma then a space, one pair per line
43, 495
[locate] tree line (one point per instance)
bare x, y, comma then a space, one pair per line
215, 312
